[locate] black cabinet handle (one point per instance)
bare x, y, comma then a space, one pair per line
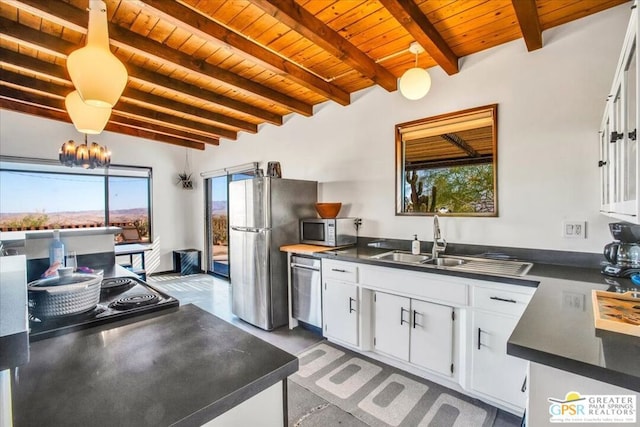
503, 299
351, 301
338, 270
601, 163
415, 313
402, 310
524, 385
615, 136
633, 135
479, 332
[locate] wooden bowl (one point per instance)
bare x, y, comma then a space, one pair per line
328, 210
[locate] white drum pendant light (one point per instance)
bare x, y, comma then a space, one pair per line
415, 82
86, 118
98, 76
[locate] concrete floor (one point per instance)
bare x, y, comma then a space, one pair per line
306, 409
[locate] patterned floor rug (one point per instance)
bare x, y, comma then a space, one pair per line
381, 395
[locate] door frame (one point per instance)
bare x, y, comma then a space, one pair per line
229, 172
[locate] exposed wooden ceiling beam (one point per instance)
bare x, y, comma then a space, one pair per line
141, 113
303, 22
58, 73
59, 91
162, 81
409, 15
22, 94
11, 104
193, 22
527, 14
24, 35
70, 16
159, 101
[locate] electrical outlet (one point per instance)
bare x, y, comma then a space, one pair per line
574, 229
573, 300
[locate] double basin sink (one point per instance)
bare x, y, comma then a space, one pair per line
459, 263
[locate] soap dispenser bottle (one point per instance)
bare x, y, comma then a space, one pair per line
415, 245
56, 250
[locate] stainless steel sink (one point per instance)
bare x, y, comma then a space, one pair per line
402, 257
445, 262
459, 263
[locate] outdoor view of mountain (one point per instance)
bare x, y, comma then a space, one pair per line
49, 220
219, 207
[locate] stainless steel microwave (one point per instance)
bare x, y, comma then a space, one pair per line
328, 231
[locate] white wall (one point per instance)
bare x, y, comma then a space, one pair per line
550, 106
173, 208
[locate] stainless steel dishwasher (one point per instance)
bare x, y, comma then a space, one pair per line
306, 290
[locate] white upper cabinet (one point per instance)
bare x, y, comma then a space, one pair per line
619, 158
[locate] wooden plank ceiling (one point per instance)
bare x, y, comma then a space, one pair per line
204, 70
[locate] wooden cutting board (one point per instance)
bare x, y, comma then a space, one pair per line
617, 312
305, 249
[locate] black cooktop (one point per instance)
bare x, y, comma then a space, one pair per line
120, 298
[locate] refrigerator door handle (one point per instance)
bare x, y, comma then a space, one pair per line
247, 229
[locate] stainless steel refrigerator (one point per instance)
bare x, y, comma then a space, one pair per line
264, 214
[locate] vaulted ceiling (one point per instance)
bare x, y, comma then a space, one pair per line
205, 70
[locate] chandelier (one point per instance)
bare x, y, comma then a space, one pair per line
84, 155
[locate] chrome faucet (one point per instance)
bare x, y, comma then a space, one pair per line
439, 243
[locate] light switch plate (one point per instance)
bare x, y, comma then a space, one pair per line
574, 229
573, 300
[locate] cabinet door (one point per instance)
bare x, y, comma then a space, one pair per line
431, 336
605, 162
495, 373
340, 311
392, 321
630, 149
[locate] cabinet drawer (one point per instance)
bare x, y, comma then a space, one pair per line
500, 301
431, 287
343, 271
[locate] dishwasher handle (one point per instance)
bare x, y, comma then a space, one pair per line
304, 267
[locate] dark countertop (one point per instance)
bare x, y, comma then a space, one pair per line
550, 332
182, 368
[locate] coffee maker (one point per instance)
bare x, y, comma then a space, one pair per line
624, 253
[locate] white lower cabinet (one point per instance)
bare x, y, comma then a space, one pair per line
414, 331
340, 311
496, 310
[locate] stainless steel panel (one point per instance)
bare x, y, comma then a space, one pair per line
250, 285
249, 203
258, 269
306, 290
258, 199
290, 201
237, 204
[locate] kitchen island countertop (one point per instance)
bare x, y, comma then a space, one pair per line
181, 368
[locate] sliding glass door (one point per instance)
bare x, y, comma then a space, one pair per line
218, 221
218, 225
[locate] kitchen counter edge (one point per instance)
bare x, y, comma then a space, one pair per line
284, 364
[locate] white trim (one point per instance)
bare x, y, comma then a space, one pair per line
27, 164
230, 170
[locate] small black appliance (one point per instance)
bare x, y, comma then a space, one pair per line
623, 254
